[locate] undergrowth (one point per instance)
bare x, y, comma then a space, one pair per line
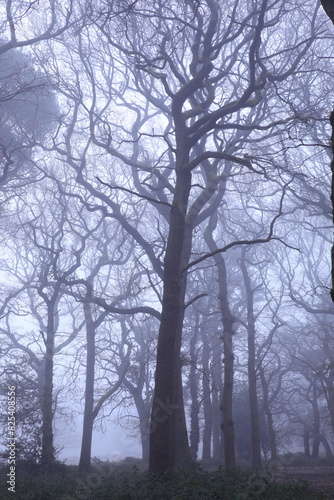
127, 480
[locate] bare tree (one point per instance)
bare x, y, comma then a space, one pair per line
45, 20
172, 112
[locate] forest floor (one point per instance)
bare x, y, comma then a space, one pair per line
291, 477
294, 468
319, 477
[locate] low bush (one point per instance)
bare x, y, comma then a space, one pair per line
127, 481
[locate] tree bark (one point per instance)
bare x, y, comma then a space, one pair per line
227, 320
325, 443
269, 416
217, 390
87, 431
48, 456
328, 7
328, 379
330, 396
316, 422
207, 406
332, 197
252, 372
193, 386
306, 440
169, 442
144, 417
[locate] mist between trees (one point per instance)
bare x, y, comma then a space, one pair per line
166, 225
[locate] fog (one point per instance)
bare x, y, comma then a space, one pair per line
166, 222
112, 445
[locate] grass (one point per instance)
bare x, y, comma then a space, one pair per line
127, 480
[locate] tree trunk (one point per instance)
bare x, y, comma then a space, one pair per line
316, 422
87, 431
143, 410
227, 320
272, 435
227, 401
216, 423
327, 381
217, 391
193, 386
207, 406
168, 440
47, 457
316, 446
330, 397
306, 439
326, 445
329, 9
145, 448
222, 442
252, 375
267, 411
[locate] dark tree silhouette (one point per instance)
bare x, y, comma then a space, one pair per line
328, 6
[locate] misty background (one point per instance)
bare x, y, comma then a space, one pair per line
166, 230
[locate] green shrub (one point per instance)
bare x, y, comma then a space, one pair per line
126, 480
185, 484
34, 483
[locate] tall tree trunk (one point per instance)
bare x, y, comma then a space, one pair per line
269, 416
227, 400
217, 390
329, 9
327, 381
145, 448
272, 434
316, 421
306, 440
216, 423
327, 4
48, 457
332, 198
87, 431
193, 386
227, 320
143, 410
325, 443
330, 396
168, 439
252, 375
207, 406
222, 442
